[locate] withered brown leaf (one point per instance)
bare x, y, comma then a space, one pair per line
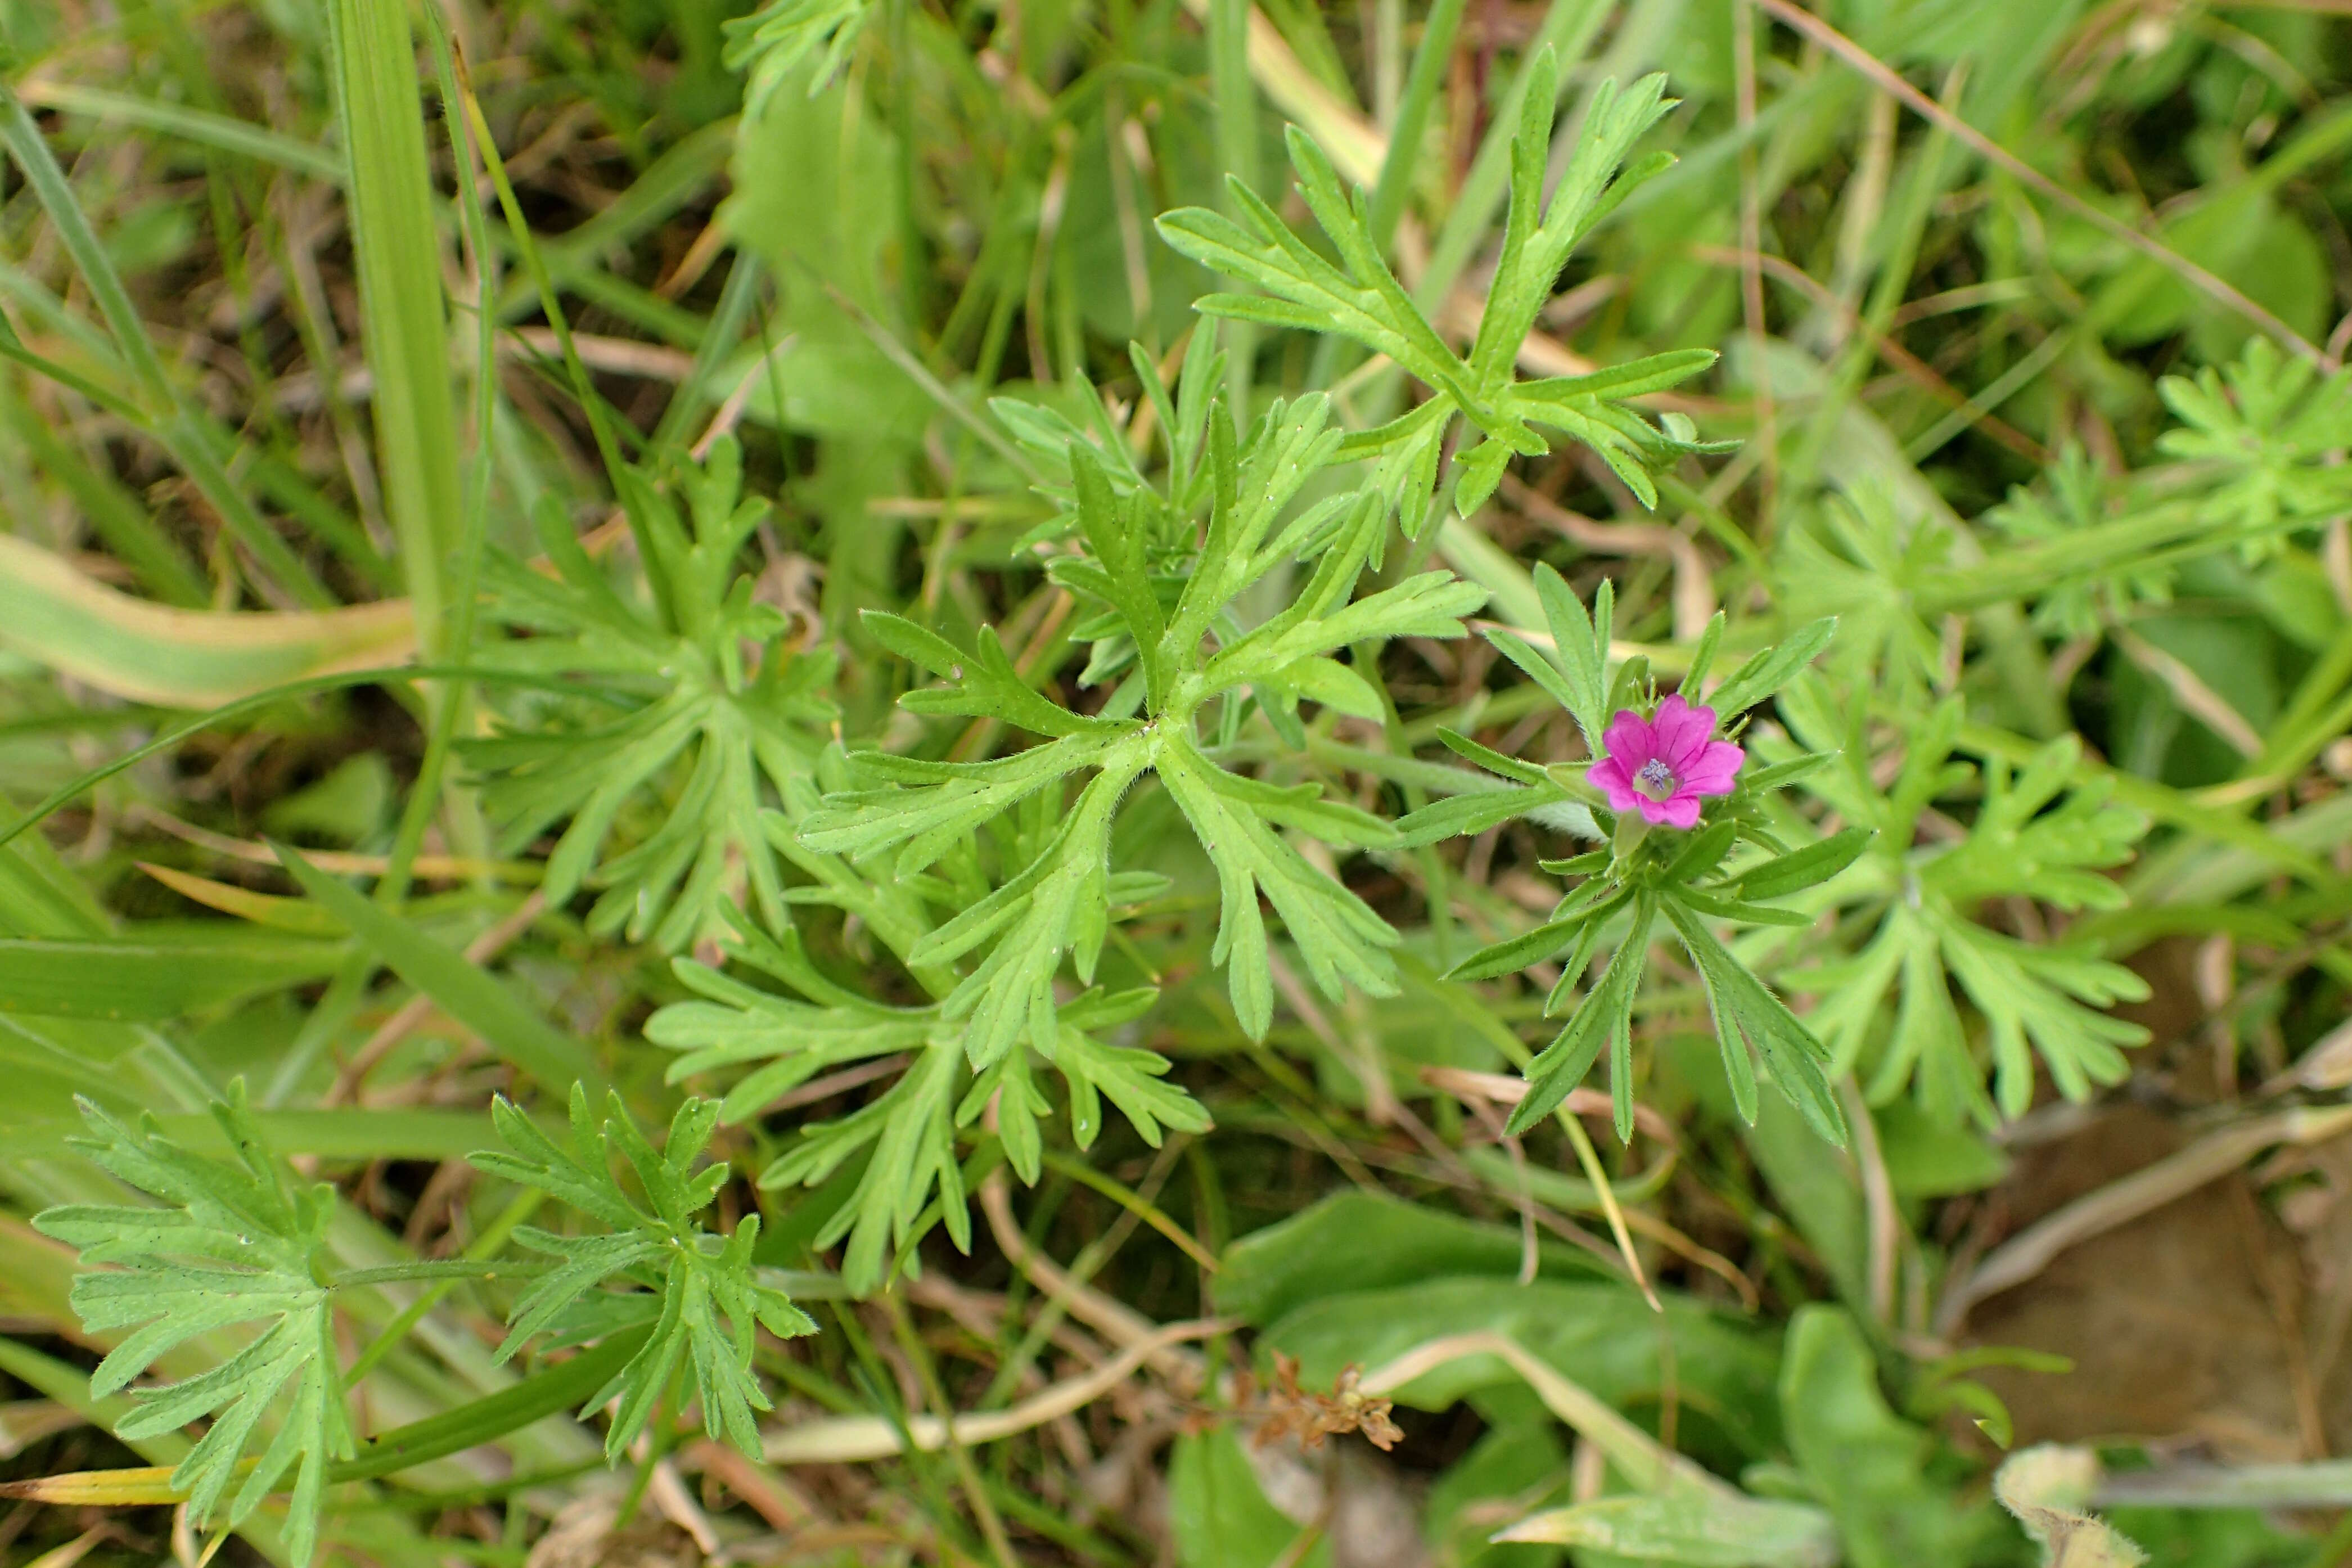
1287, 1410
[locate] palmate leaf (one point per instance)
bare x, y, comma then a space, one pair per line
907, 1132
2270, 430
1038, 916
774, 41
704, 1300
678, 739
236, 1244
893, 1162
2052, 996
2078, 498
2034, 836
1360, 298
1859, 557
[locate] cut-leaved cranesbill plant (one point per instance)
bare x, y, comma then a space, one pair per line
985, 878
239, 1241
692, 699
1157, 867
1191, 659
679, 1280
1951, 839
233, 1242
901, 1144
772, 44
1361, 299
1653, 764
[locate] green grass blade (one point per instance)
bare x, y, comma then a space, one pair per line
181, 431
1569, 28
144, 978
224, 132
1405, 136
51, 612
403, 330
463, 991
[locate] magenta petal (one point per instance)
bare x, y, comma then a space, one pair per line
1629, 741
1610, 775
1671, 716
1678, 810
1682, 730
1715, 769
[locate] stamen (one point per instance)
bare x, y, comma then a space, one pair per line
1655, 779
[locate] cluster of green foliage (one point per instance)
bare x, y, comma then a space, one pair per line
1166, 708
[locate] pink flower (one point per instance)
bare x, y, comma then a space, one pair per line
1661, 767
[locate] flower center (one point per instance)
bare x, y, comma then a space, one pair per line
1655, 779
